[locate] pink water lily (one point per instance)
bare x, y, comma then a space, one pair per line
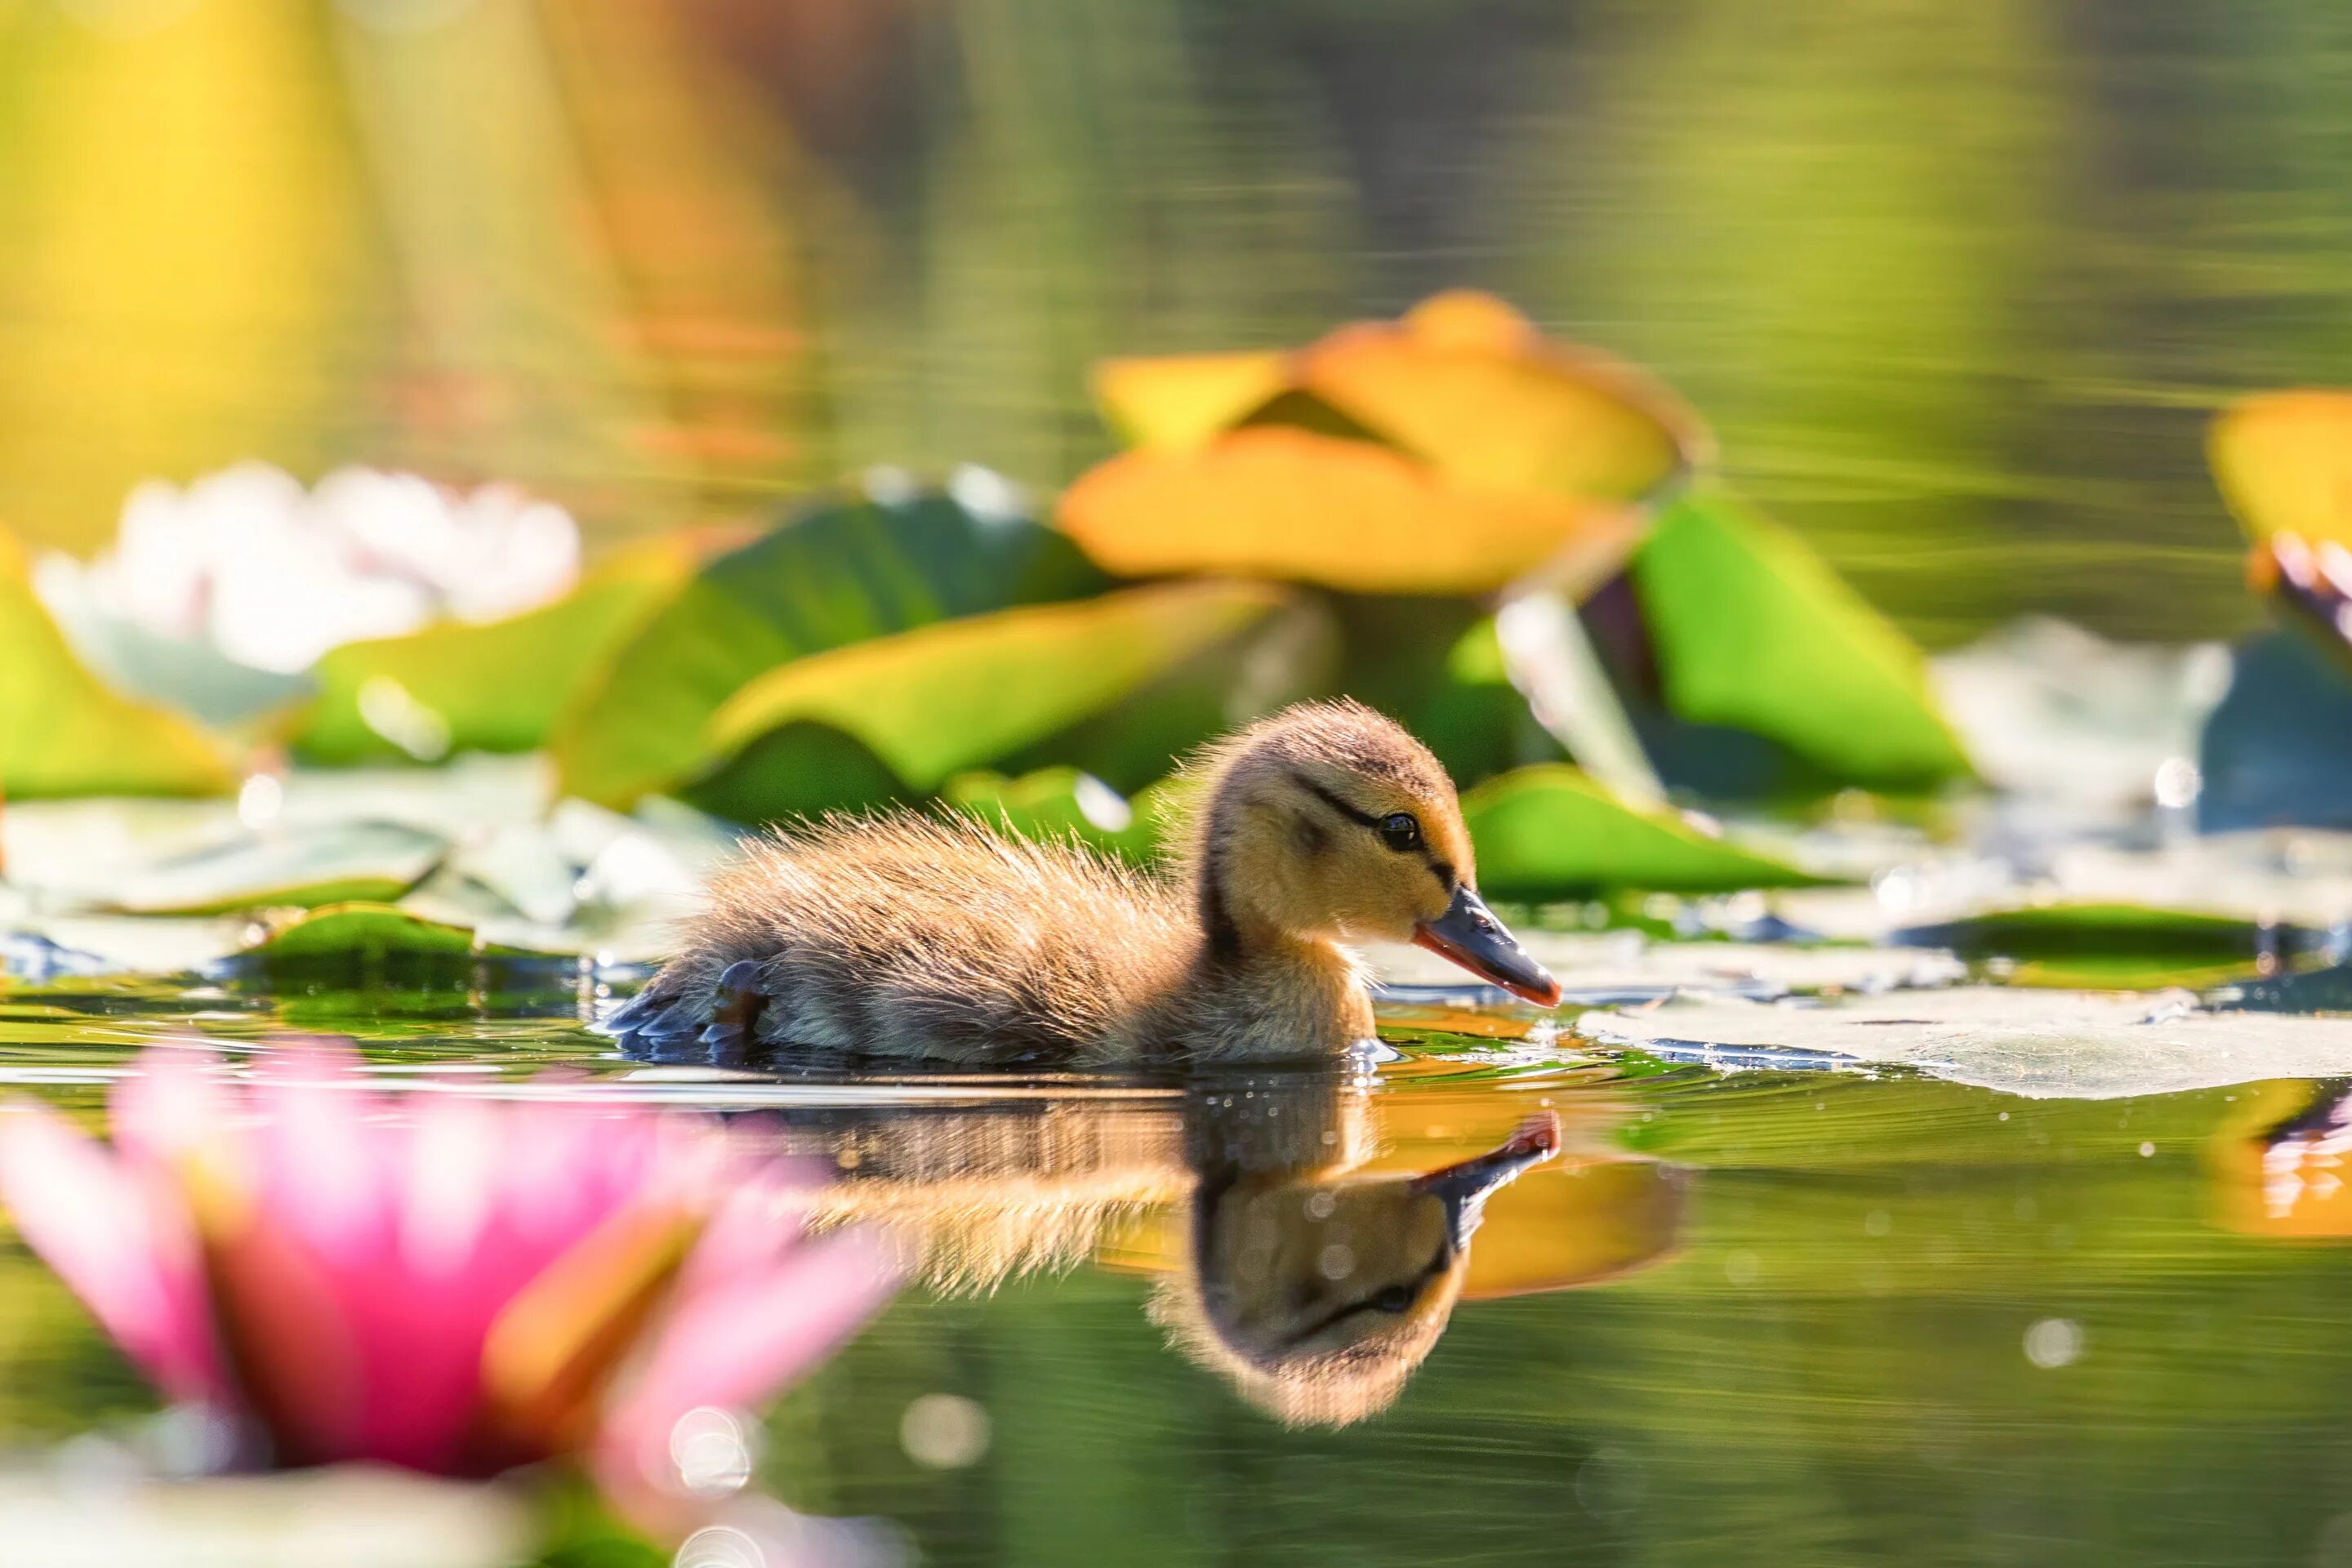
445, 1282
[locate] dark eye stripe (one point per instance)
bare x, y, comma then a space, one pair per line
1361, 819
1442, 869
1419, 1283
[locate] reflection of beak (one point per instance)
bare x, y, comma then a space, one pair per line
1469, 935
1464, 1188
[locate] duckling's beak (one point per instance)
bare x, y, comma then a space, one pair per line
1464, 1188
1469, 935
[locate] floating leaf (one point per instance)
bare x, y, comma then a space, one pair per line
1752, 631
303, 868
2037, 1043
1548, 832
831, 577
2073, 930
2284, 461
489, 688
365, 946
1125, 683
62, 732
1452, 452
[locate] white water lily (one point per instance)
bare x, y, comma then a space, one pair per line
266, 576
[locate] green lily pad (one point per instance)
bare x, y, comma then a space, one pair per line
2086, 928
64, 732
303, 868
1066, 803
1551, 832
1121, 685
837, 575
367, 946
492, 687
1750, 631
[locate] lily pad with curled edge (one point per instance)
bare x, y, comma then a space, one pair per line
832, 576
1121, 686
1453, 451
495, 687
302, 867
1747, 631
2043, 1044
1551, 832
64, 732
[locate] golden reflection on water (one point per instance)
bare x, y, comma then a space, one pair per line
1956, 284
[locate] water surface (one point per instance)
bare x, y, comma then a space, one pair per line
1763, 1315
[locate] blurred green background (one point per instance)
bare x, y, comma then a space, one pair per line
1957, 280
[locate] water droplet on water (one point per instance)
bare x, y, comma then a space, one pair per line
712, 1451
2052, 1343
944, 1432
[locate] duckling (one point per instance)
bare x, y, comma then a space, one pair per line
910, 937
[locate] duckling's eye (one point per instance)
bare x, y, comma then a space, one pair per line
1395, 1299
1399, 831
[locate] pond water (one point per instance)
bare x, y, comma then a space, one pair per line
1752, 1314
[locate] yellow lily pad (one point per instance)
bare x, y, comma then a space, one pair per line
1454, 452
2284, 461
1281, 503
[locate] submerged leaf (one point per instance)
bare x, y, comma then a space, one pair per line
497, 687
64, 732
828, 578
1130, 681
1548, 832
1752, 631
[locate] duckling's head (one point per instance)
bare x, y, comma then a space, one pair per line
1318, 1299
1328, 821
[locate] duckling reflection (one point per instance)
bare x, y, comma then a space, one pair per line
1313, 1285
1318, 1296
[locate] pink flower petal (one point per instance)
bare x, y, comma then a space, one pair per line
174, 1106
327, 1164
738, 1343
123, 1245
